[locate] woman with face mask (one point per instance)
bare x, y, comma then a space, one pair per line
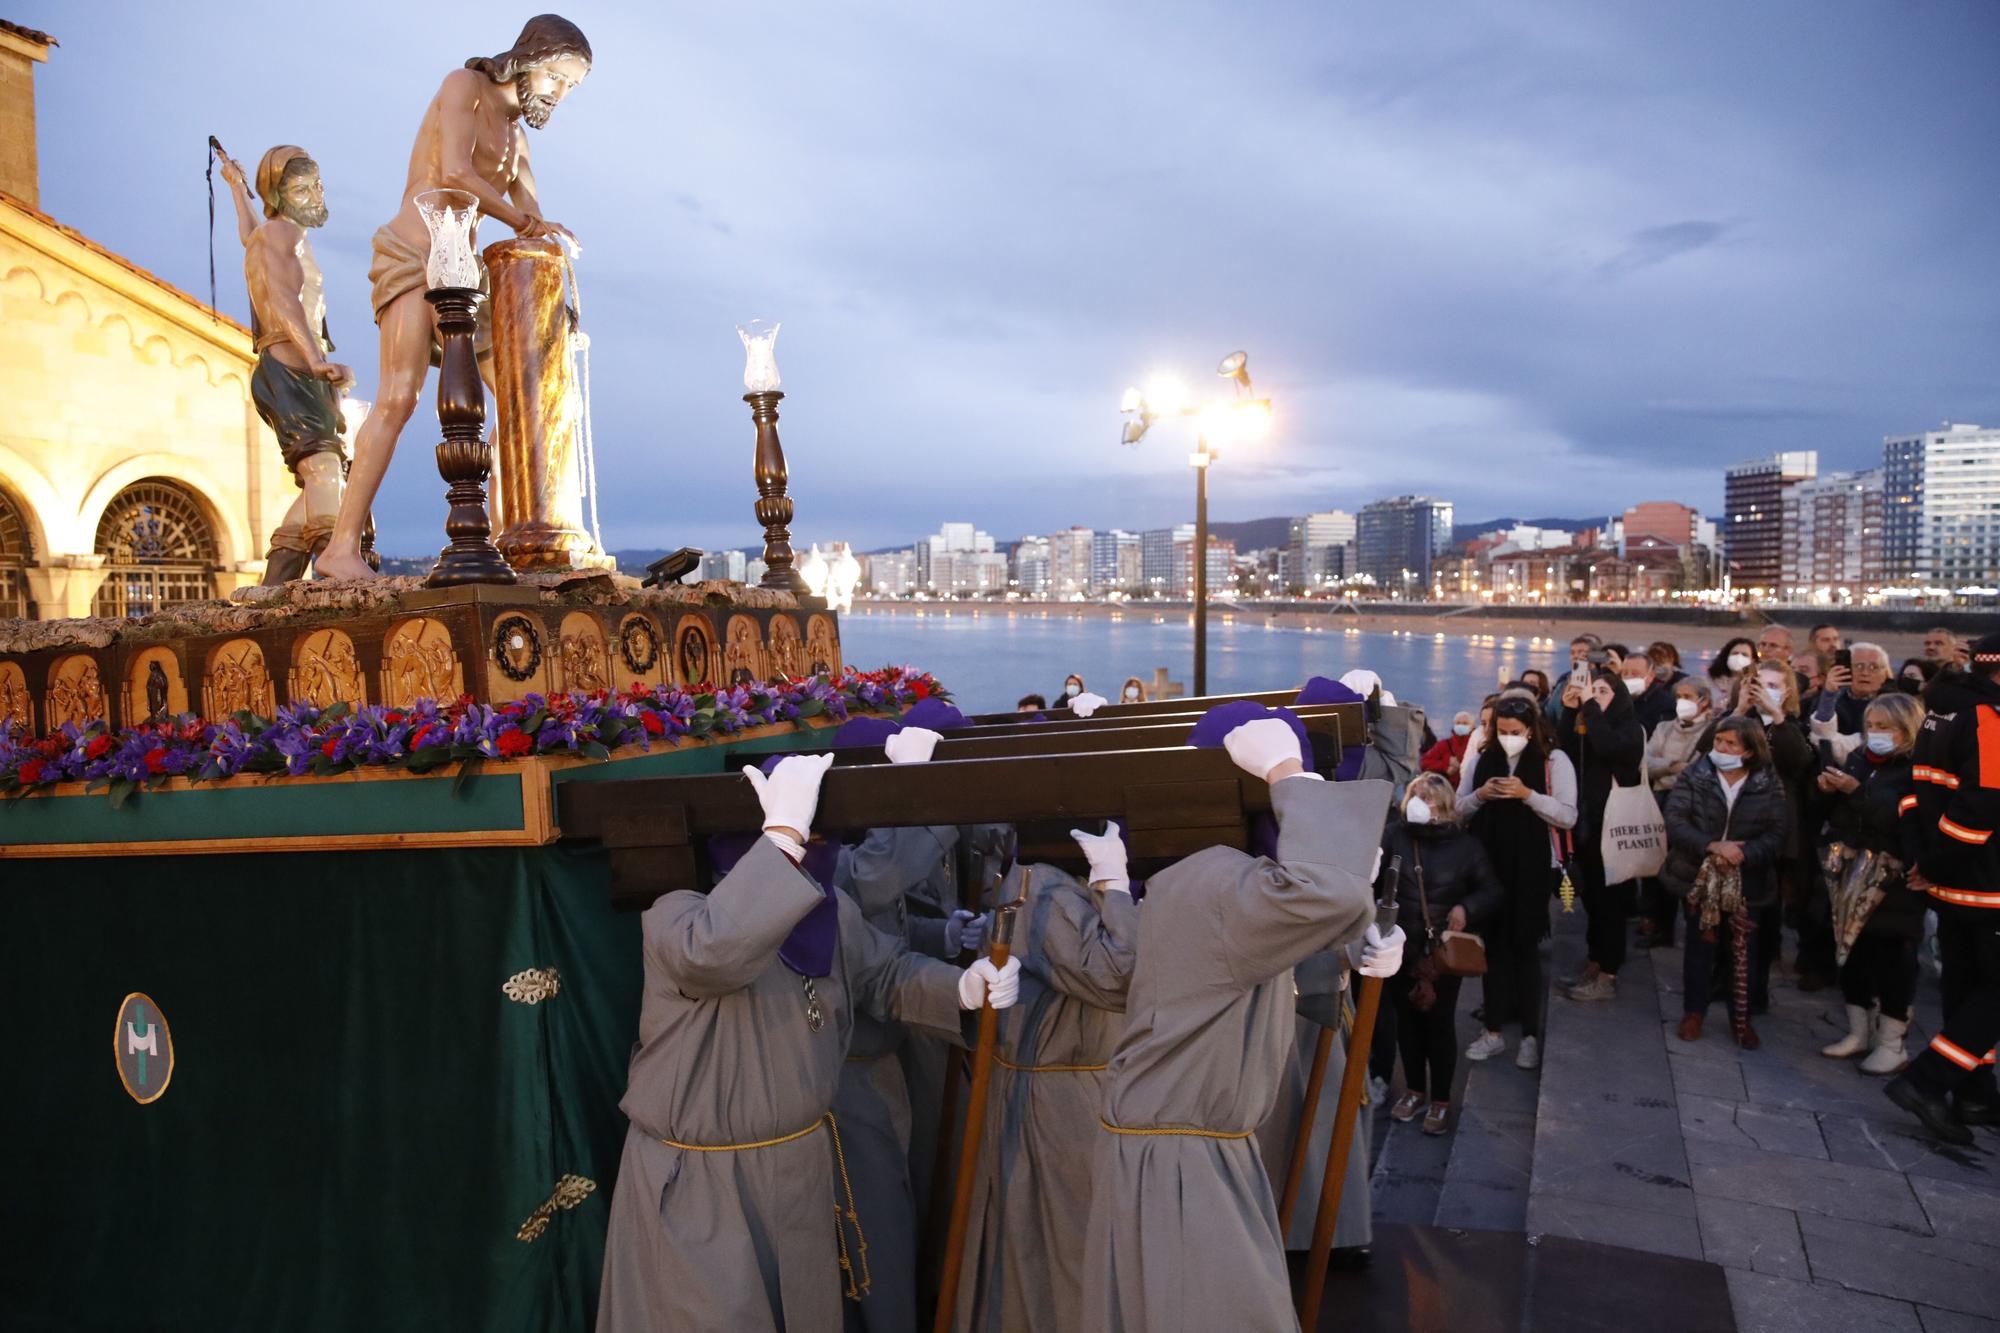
1447, 757
1072, 687
1872, 808
1602, 737
1671, 747
1729, 667
1132, 692
1770, 693
1447, 884
1518, 797
1725, 829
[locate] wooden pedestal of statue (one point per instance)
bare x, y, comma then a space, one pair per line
538, 433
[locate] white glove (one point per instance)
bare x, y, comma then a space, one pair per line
983, 984
790, 795
1106, 853
964, 930
1260, 746
1377, 955
911, 745
1087, 703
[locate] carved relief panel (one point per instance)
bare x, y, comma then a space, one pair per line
326, 671
641, 658
822, 646
582, 661
418, 662
16, 705
788, 650
742, 651
237, 679
75, 692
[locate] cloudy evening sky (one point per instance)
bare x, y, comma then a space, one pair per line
1548, 258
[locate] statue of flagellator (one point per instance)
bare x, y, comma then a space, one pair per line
471, 139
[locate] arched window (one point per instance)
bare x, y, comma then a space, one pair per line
158, 548
17, 552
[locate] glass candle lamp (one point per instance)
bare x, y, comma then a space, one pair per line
451, 217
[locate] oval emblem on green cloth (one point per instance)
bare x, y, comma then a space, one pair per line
143, 1048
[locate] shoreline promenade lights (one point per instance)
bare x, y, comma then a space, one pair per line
1227, 421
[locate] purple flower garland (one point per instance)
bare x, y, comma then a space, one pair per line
304, 740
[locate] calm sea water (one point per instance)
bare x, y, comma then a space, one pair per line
990, 659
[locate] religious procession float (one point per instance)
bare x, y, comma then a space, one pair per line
346, 867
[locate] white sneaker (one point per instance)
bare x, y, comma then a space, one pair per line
1378, 1090
1530, 1054
1485, 1046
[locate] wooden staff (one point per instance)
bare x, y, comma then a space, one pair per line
1346, 1113
1295, 1174
972, 893
975, 1128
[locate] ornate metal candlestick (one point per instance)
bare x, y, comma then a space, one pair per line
774, 507
464, 458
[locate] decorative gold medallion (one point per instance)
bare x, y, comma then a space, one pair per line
532, 985
570, 1191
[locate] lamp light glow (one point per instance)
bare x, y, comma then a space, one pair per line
760, 355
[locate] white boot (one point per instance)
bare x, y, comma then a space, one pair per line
1856, 1041
1888, 1057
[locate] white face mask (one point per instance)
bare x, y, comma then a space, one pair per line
1417, 810
1725, 762
1686, 709
1513, 745
1461, 728
1739, 663
1881, 742
1072, 689
1638, 684
1132, 696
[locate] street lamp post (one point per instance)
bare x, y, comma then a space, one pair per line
1240, 418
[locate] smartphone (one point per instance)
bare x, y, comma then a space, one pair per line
1844, 658
1598, 657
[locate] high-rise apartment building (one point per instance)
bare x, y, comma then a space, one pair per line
950, 539
1321, 552
1941, 507
1159, 571
1031, 566
1070, 563
1753, 502
1832, 535
1109, 562
1396, 541
890, 573
1221, 559
729, 565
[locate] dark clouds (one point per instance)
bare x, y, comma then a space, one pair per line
1549, 257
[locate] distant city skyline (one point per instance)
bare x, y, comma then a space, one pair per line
1486, 252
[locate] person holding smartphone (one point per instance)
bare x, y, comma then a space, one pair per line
1856, 677
1601, 734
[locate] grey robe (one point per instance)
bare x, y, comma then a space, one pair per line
914, 868
1183, 1227
1024, 1247
1321, 980
873, 1100
745, 1240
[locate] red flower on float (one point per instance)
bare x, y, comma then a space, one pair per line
329, 745
651, 721
31, 771
99, 746
156, 761
514, 742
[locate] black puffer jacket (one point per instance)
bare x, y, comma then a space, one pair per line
1875, 818
1456, 873
1697, 814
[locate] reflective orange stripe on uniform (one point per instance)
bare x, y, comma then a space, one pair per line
1924, 773
1907, 804
1953, 1052
1964, 897
1977, 837
1989, 747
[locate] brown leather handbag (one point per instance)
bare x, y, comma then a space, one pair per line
1451, 953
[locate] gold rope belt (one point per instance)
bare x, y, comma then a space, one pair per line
841, 1219
1189, 1133
1005, 1063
